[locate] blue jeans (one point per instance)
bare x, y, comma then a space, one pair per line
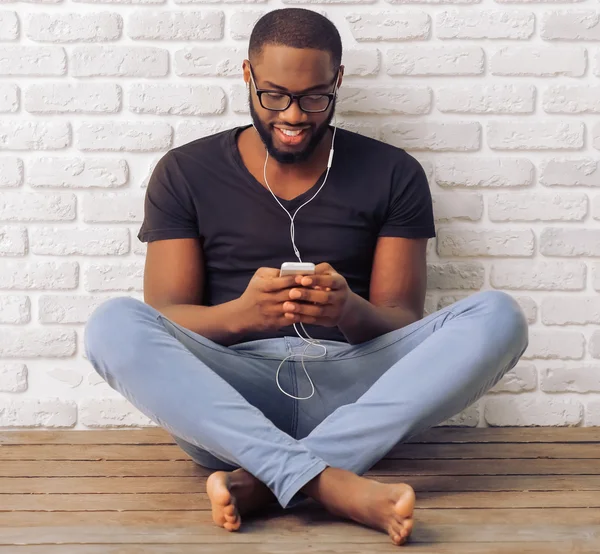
222, 405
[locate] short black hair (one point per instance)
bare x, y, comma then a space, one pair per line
296, 28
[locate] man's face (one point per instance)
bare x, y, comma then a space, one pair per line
293, 70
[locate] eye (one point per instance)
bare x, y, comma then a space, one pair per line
275, 95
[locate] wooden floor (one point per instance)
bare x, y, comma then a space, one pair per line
492, 491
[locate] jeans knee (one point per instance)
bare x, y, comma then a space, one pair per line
507, 319
109, 323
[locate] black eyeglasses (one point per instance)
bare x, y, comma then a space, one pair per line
278, 101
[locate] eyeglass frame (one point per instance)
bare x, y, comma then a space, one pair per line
292, 97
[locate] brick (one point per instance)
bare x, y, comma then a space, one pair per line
537, 1
9, 99
15, 309
492, 99
11, 172
433, 1
176, 25
73, 98
529, 308
596, 207
539, 62
34, 135
595, 344
534, 206
570, 172
66, 376
88, 241
9, 25
517, 275
13, 377
120, 1
384, 100
482, 172
360, 126
119, 61
484, 242
34, 61
457, 206
30, 412
13, 241
112, 412
251, 2
67, 309
77, 172
561, 377
151, 166
238, 99
38, 275
570, 25
384, 26
361, 62
563, 345
119, 136
572, 99
123, 277
176, 99
570, 242
485, 24
521, 378
74, 27
37, 343
596, 136
533, 411
217, 61
535, 135
113, 208
435, 136
241, 23
455, 275
596, 55
564, 310
596, 276
35, 206
592, 413
435, 60
192, 130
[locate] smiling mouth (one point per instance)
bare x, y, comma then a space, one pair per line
291, 137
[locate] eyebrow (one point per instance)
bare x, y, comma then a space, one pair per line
278, 87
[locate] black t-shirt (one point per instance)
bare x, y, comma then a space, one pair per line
203, 190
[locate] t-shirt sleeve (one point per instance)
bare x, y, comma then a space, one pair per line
169, 211
410, 212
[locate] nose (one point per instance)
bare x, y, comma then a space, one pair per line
294, 115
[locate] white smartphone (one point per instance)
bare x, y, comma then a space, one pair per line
297, 268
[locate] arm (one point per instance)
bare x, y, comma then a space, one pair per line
397, 292
174, 285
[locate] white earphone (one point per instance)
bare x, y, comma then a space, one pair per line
311, 342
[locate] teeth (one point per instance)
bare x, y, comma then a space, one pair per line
290, 133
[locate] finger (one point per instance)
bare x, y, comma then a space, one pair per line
324, 268
309, 295
312, 310
275, 284
333, 282
298, 318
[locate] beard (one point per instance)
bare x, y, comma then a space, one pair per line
266, 135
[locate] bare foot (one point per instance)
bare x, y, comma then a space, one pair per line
378, 505
233, 494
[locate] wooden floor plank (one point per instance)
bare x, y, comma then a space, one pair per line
456, 435
402, 452
402, 468
199, 501
300, 527
421, 483
567, 547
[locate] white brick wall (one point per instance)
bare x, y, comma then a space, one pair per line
498, 99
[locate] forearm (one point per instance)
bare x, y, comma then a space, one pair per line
220, 323
364, 321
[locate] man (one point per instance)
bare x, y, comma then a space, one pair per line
201, 356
